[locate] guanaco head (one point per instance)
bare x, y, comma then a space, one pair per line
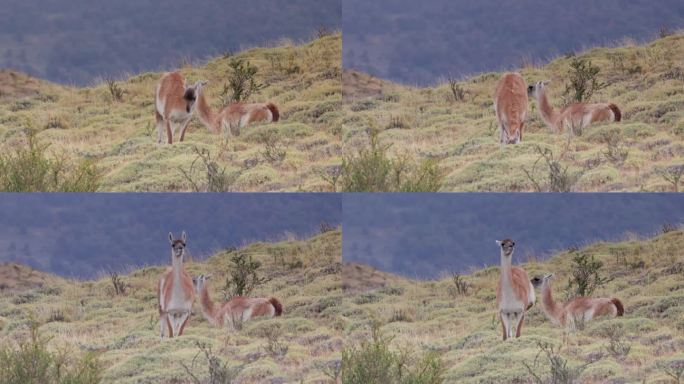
192, 93
546, 280
539, 280
199, 282
177, 246
513, 138
506, 246
535, 89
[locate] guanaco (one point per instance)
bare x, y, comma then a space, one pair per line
576, 116
514, 292
175, 292
510, 106
576, 310
237, 309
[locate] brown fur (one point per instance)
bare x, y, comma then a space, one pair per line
514, 292
171, 90
236, 115
577, 116
188, 292
616, 111
521, 287
277, 305
274, 111
510, 105
578, 308
225, 313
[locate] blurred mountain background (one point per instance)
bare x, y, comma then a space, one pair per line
78, 42
421, 42
419, 237
81, 235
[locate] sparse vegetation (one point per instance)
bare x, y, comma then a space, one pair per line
558, 176
466, 329
121, 333
244, 276
585, 276
375, 363
218, 371
460, 286
673, 369
31, 361
275, 347
88, 127
457, 91
118, 285
559, 371
617, 346
584, 82
672, 174
642, 80
29, 166
241, 83
372, 170
115, 91
274, 149
217, 177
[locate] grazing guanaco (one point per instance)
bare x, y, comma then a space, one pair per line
175, 292
174, 105
514, 292
579, 309
510, 106
236, 116
237, 309
576, 116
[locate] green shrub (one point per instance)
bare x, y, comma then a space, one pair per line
218, 371
241, 83
371, 170
216, 177
583, 80
244, 276
29, 167
375, 363
559, 372
585, 276
558, 176
30, 362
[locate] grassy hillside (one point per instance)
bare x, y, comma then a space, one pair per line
303, 80
647, 275
647, 82
123, 329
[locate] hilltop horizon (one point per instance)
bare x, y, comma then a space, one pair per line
420, 44
420, 238
122, 37
66, 234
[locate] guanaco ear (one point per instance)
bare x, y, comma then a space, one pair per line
170, 237
184, 237
498, 242
207, 277
545, 82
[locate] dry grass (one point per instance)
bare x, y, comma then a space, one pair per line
647, 275
123, 329
117, 127
646, 82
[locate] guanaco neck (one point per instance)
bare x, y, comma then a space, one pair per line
551, 308
177, 267
206, 115
208, 308
506, 270
547, 112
